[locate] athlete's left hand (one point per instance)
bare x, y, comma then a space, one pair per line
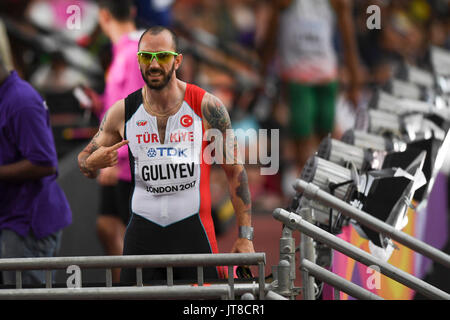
242, 245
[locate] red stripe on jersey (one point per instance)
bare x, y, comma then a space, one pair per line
193, 97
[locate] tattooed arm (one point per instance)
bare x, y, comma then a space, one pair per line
215, 116
101, 152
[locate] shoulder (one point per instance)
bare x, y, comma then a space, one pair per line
130, 41
114, 119
116, 114
24, 97
133, 100
117, 107
194, 88
124, 62
125, 56
135, 35
210, 100
215, 112
194, 94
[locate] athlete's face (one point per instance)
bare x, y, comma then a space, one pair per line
157, 74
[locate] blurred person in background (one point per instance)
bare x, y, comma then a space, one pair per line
408, 28
375, 62
33, 208
40, 28
153, 13
116, 19
437, 21
303, 31
403, 37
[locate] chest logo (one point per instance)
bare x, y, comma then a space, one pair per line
151, 153
167, 152
186, 121
141, 123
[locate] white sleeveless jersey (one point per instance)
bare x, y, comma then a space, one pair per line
307, 54
168, 176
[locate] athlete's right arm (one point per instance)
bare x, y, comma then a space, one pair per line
101, 152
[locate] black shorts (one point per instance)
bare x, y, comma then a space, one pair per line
187, 236
115, 201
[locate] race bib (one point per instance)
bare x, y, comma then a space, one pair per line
168, 169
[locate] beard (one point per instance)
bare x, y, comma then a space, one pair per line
158, 84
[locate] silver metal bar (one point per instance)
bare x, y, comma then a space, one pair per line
262, 279
295, 221
152, 292
248, 296
308, 292
271, 295
314, 193
18, 279
307, 251
338, 282
200, 280
141, 261
231, 281
139, 281
169, 275
108, 275
48, 278
155, 261
242, 288
287, 250
284, 284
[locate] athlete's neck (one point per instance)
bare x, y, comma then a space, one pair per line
167, 99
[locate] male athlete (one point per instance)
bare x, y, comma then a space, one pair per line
164, 124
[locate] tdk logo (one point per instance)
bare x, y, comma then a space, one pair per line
151, 153
166, 152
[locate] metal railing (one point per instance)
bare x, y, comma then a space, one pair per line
213, 291
294, 221
336, 281
281, 288
122, 293
313, 192
309, 270
139, 262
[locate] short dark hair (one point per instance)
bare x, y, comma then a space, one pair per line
157, 30
120, 10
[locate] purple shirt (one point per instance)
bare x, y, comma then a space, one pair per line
25, 133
